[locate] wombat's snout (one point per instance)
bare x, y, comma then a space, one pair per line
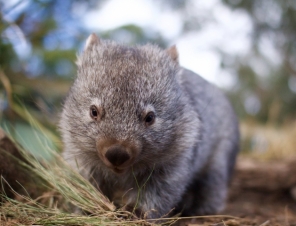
117, 156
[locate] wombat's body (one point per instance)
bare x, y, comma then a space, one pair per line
151, 135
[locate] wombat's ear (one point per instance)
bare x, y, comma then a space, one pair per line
173, 53
92, 40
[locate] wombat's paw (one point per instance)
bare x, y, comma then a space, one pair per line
135, 212
139, 213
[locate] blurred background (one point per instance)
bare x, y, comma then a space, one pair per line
247, 48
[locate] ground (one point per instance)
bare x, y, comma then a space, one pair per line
261, 193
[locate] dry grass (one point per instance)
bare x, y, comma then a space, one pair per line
268, 142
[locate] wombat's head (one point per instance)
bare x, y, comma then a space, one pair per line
126, 107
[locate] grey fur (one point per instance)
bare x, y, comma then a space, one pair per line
185, 159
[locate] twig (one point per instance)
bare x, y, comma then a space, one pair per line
265, 223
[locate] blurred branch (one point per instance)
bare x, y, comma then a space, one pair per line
12, 7
18, 31
7, 86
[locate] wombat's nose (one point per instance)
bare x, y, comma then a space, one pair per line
117, 156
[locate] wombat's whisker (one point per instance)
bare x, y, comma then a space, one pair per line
79, 134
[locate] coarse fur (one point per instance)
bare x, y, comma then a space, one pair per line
180, 162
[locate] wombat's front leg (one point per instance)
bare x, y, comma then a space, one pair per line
158, 202
160, 196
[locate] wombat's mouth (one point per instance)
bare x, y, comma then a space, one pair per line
119, 170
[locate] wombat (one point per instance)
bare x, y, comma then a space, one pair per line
152, 136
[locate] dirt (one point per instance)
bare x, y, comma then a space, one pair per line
262, 194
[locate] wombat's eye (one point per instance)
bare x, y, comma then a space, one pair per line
150, 118
94, 113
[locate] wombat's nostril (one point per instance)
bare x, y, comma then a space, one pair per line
117, 156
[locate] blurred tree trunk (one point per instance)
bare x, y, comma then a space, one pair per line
252, 175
